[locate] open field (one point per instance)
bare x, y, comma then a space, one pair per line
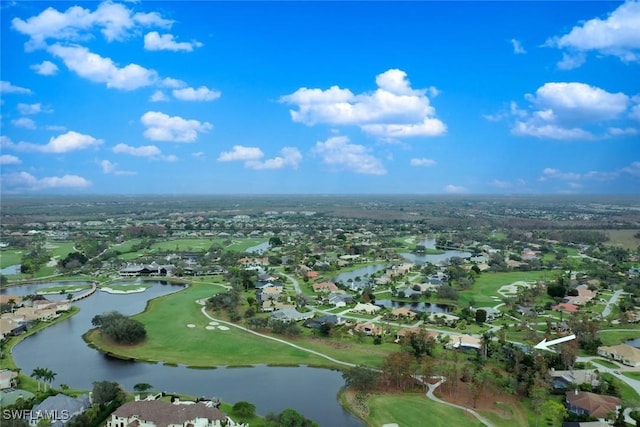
623, 238
200, 346
487, 284
409, 409
10, 257
619, 336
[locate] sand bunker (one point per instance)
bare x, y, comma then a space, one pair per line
214, 323
223, 328
191, 325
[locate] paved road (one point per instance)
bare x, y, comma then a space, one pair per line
612, 302
635, 384
295, 282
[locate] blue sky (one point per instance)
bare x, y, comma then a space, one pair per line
320, 97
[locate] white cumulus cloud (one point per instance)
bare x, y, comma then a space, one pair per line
454, 189
618, 34
70, 141
337, 152
155, 41
27, 109
98, 69
203, 93
45, 68
517, 47
393, 110
24, 181
114, 20
149, 151
289, 157
8, 159
422, 162
569, 110
7, 87
24, 122
162, 127
242, 153
112, 168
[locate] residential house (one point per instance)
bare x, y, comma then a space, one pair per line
290, 315
366, 308
157, 413
368, 328
567, 379
591, 404
325, 287
8, 379
622, 353
403, 313
464, 342
405, 332
59, 409
316, 322
340, 299
567, 307
584, 295
10, 325
492, 313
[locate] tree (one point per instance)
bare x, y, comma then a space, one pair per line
48, 376
481, 315
105, 392
38, 373
288, 418
120, 328
420, 343
142, 387
361, 378
244, 409
553, 410
275, 241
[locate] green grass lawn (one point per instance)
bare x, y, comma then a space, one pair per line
632, 375
605, 363
627, 393
63, 289
488, 283
60, 249
166, 320
197, 245
10, 257
614, 336
413, 409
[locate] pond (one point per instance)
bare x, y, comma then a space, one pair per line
310, 391
634, 342
259, 249
11, 270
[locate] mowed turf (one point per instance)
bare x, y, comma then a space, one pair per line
169, 339
415, 410
487, 284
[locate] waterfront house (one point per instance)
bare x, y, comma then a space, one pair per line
59, 409
156, 413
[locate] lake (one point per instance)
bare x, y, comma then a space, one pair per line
310, 391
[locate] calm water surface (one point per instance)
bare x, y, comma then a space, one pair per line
310, 391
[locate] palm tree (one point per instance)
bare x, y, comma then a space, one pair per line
48, 377
38, 374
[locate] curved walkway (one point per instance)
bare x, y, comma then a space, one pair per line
432, 388
317, 353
